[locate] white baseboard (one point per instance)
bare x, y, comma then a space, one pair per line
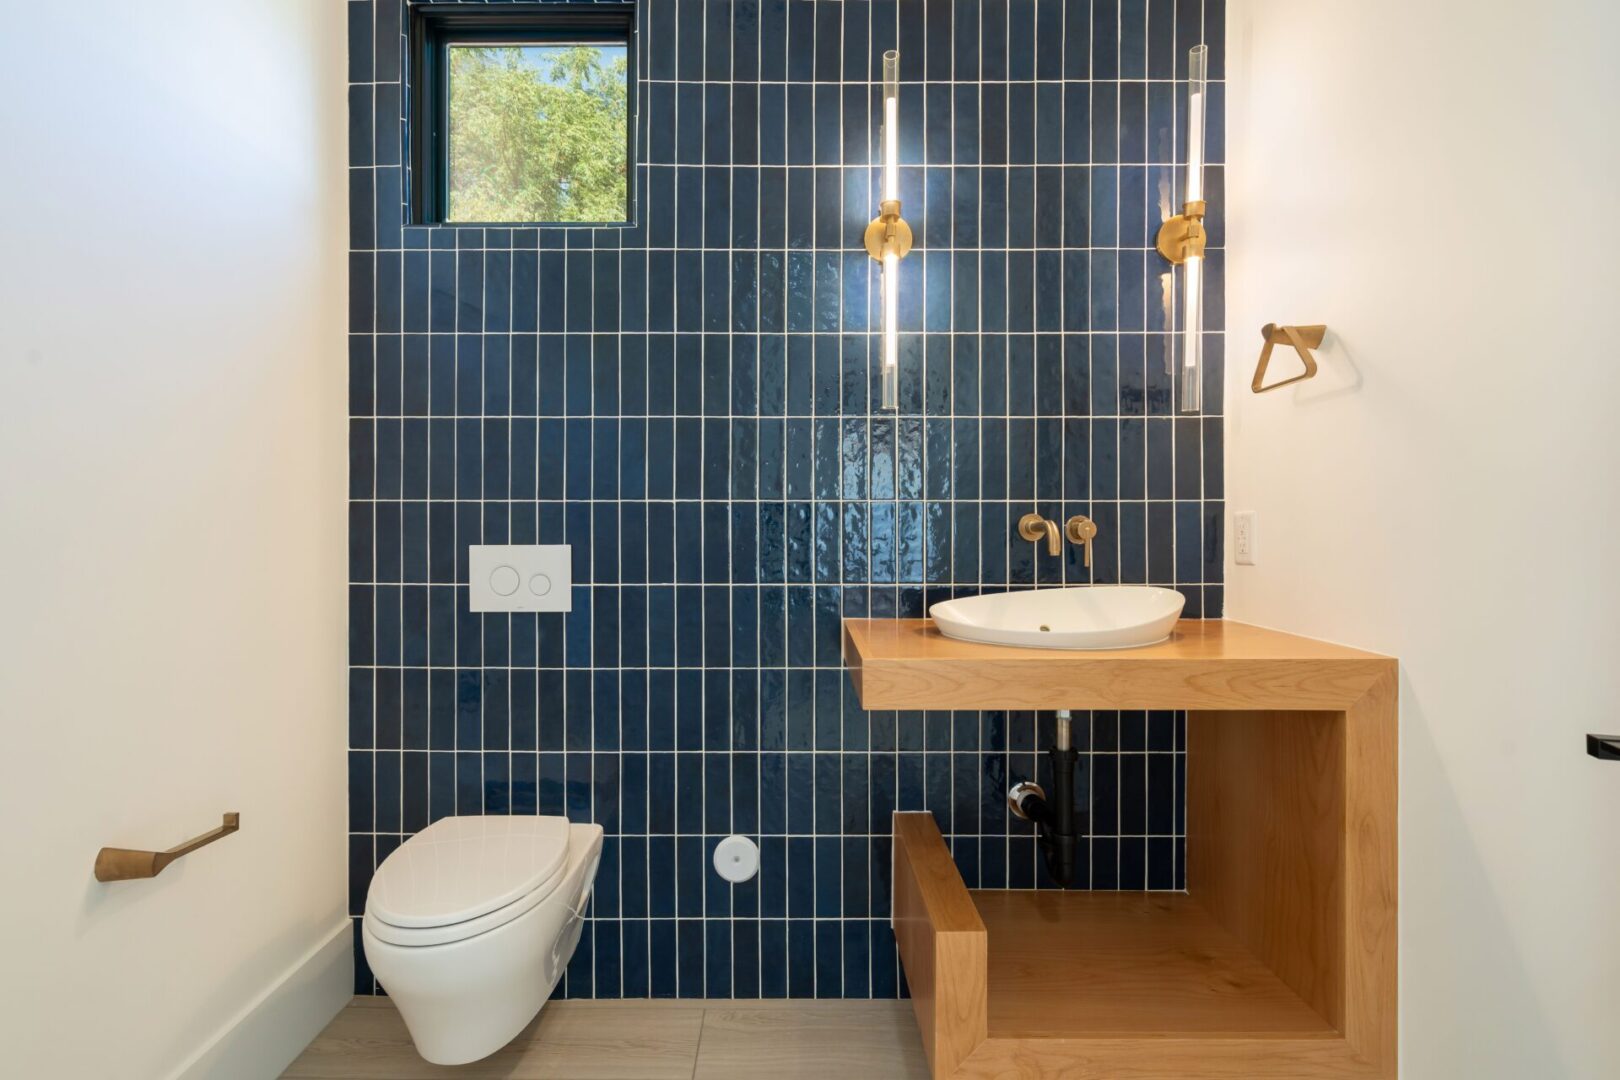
274, 1029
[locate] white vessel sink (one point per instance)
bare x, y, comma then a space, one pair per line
1092, 617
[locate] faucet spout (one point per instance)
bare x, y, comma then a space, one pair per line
1035, 528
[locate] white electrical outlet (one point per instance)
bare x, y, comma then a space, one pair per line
520, 577
1244, 540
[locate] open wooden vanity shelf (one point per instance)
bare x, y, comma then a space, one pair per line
1279, 960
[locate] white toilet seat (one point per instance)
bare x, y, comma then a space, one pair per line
416, 936
464, 876
460, 868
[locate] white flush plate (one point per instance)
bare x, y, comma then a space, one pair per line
519, 577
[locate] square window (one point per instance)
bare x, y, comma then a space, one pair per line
522, 113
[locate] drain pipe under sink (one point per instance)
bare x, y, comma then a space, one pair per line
1054, 818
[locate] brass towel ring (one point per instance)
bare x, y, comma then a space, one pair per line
1302, 338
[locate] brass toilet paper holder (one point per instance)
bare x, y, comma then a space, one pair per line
126, 864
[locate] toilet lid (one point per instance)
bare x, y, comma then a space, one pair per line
459, 868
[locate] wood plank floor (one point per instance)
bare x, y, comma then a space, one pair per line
642, 1040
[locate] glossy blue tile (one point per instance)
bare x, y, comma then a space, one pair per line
692, 401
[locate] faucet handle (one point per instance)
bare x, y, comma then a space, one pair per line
1081, 530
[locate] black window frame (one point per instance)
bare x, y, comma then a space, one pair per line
435, 27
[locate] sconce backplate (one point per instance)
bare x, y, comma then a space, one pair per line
880, 239
1181, 236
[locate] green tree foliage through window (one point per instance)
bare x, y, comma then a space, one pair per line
538, 133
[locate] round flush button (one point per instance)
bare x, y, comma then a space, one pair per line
736, 859
540, 584
504, 581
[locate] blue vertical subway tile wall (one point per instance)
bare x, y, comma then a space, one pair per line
690, 402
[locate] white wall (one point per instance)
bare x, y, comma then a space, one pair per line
1435, 181
172, 468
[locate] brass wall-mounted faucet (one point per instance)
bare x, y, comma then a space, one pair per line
1081, 530
1036, 528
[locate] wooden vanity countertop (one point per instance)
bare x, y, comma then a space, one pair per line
1205, 664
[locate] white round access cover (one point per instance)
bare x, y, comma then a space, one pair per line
459, 868
736, 858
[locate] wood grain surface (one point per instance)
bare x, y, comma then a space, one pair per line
942, 943
1265, 841
1279, 962
1071, 964
1206, 664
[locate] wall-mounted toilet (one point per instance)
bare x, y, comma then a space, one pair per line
470, 923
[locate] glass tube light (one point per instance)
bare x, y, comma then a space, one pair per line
890, 197
891, 331
1192, 314
891, 126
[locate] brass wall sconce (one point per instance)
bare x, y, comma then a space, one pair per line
1302, 338
1181, 239
888, 237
